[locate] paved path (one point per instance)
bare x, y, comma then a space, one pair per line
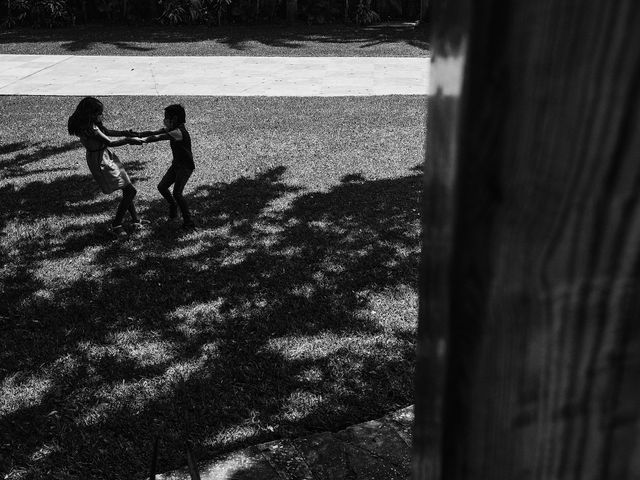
375, 450
216, 76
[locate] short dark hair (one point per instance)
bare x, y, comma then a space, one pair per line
176, 110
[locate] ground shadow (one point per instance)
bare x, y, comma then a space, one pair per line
30, 153
145, 39
197, 335
84, 44
13, 147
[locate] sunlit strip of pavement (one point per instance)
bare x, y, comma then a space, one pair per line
75, 75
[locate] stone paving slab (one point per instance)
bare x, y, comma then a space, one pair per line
380, 441
375, 450
77, 75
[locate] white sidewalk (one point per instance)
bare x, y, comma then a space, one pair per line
215, 76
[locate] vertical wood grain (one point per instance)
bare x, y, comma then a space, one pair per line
540, 284
449, 46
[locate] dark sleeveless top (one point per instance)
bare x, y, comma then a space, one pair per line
181, 150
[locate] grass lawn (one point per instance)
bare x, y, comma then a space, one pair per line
267, 40
292, 310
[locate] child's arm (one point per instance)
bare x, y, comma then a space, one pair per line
117, 143
119, 133
173, 134
148, 133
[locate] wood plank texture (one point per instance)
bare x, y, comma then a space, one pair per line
449, 53
540, 285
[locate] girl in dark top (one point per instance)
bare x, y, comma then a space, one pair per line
182, 165
105, 166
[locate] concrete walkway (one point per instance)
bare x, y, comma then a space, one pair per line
375, 450
76, 75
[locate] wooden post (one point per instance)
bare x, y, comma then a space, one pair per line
531, 258
449, 49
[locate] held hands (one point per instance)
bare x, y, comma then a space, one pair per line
135, 141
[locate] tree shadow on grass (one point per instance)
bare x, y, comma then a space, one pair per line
30, 153
85, 44
150, 38
257, 326
13, 147
75, 194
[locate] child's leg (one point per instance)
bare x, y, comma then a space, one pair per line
163, 188
182, 176
133, 213
128, 194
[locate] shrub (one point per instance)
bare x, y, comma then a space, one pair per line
39, 13
365, 15
177, 12
17, 13
217, 9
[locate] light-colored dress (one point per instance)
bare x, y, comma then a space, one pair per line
105, 166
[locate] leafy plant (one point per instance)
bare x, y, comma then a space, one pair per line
365, 15
50, 13
17, 12
217, 9
177, 12
173, 12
